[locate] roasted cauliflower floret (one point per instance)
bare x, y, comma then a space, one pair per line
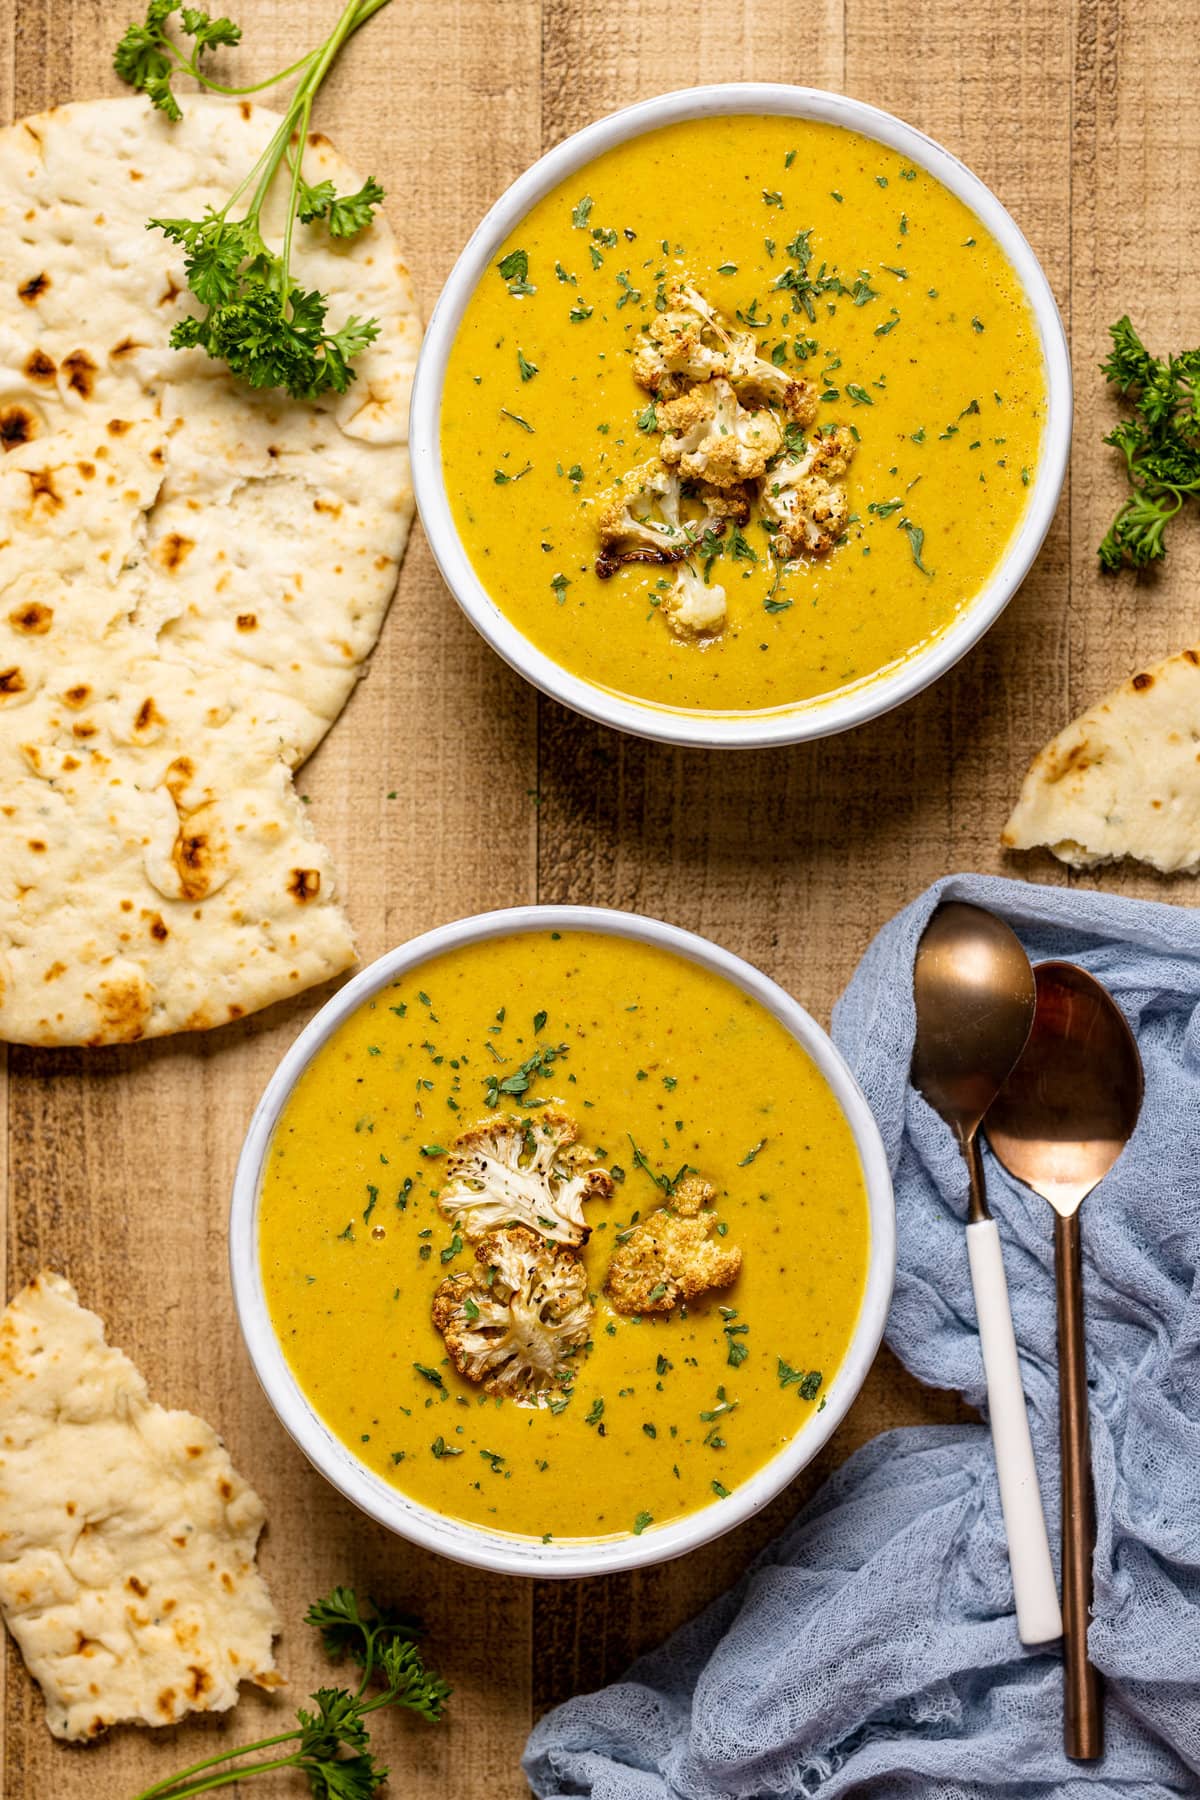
806, 498
672, 1256
711, 437
527, 1171
693, 609
512, 1324
645, 521
684, 344
759, 383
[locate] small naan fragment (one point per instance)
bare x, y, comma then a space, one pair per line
1123, 779
127, 1538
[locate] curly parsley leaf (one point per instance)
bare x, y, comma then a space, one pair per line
269, 330
345, 214
1160, 442
149, 59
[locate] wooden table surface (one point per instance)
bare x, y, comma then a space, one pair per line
449, 786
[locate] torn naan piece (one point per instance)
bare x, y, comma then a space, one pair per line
1123, 779
127, 1538
192, 576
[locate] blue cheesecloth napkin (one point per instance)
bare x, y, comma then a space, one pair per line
873, 1648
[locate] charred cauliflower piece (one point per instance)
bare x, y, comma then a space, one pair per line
671, 1256
529, 1171
645, 521
512, 1324
693, 609
691, 343
806, 498
684, 344
759, 383
710, 436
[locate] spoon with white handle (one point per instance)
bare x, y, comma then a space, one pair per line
975, 999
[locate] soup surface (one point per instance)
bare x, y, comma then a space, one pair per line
661, 1064
853, 270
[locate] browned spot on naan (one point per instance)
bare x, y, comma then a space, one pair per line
174, 550
17, 426
33, 619
40, 368
80, 371
41, 487
304, 884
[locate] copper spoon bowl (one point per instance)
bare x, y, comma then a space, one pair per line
1060, 1122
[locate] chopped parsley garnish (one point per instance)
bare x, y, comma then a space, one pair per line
916, 543
808, 1382
514, 269
525, 369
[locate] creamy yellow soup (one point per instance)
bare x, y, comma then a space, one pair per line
920, 341
662, 1065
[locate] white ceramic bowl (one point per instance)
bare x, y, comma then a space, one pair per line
476, 1544
784, 725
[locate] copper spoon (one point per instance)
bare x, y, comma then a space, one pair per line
1063, 1118
974, 995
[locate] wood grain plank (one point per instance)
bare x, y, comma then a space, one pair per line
1135, 162
121, 1162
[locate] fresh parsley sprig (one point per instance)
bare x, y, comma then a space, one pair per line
270, 331
330, 1744
1160, 442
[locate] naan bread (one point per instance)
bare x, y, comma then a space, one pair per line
127, 1539
1123, 779
191, 578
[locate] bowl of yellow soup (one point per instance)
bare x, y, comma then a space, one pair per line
741, 416
561, 1240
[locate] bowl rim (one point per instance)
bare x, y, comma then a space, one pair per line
477, 1545
878, 694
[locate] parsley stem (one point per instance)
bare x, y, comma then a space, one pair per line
285, 259
161, 1789
299, 112
189, 66
173, 1791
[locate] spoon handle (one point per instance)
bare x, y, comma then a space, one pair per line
1083, 1724
1038, 1615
